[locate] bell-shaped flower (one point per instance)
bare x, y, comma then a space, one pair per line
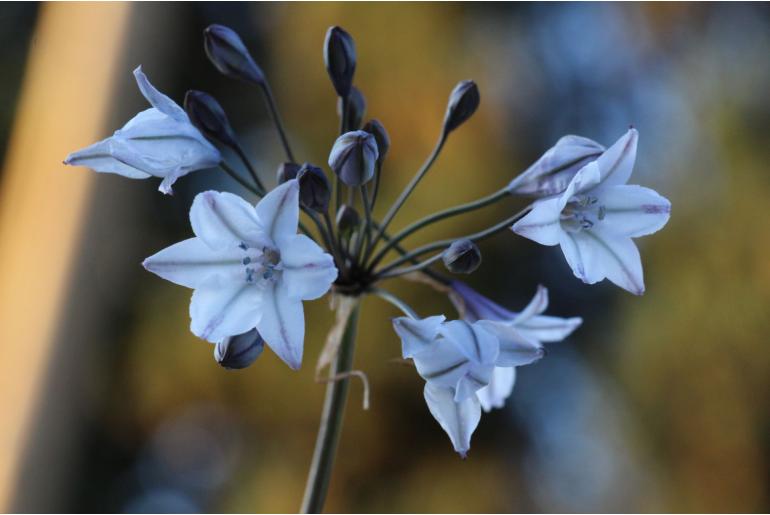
521, 335
249, 269
158, 142
552, 173
596, 217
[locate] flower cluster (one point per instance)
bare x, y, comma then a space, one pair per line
251, 267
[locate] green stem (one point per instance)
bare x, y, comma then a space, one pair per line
441, 215
331, 421
401, 250
270, 100
239, 150
397, 302
486, 233
405, 194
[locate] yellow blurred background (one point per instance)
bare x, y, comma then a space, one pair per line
658, 403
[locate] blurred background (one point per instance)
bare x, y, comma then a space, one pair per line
658, 403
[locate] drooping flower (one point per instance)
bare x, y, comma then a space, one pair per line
158, 142
249, 268
530, 327
594, 219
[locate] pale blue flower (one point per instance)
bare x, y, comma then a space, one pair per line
249, 268
158, 142
594, 219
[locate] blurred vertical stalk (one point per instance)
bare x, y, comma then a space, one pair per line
321, 467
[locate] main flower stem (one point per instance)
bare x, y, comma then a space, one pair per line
273, 108
331, 420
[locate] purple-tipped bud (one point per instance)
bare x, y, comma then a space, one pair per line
229, 55
356, 109
239, 351
353, 157
462, 104
348, 220
551, 174
340, 59
207, 116
314, 188
376, 129
286, 172
462, 257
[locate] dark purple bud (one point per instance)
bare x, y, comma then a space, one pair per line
239, 351
462, 257
340, 59
552, 173
348, 220
462, 104
356, 109
353, 157
314, 188
376, 129
286, 172
230, 56
207, 116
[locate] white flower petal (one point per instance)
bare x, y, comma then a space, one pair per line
98, 157
417, 335
595, 254
459, 420
548, 328
223, 219
442, 363
157, 99
617, 162
278, 211
515, 348
307, 270
190, 262
542, 223
478, 344
633, 211
537, 305
498, 390
222, 308
282, 324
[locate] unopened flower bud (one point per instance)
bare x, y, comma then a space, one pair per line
376, 129
239, 351
207, 116
286, 172
356, 109
314, 188
229, 55
462, 257
348, 220
340, 59
462, 104
353, 157
551, 174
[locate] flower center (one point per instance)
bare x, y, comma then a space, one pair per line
582, 212
260, 264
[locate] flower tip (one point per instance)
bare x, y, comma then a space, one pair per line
463, 454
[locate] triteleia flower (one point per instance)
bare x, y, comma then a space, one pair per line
529, 327
594, 219
158, 142
249, 268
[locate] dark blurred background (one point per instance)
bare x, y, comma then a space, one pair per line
658, 403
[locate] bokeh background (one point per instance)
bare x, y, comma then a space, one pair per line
658, 403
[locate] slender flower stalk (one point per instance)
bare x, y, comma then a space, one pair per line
276, 117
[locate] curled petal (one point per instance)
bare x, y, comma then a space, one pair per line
498, 390
157, 99
99, 158
617, 162
220, 309
537, 305
633, 211
307, 270
282, 323
474, 306
190, 262
223, 220
515, 348
547, 328
458, 419
417, 335
278, 211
